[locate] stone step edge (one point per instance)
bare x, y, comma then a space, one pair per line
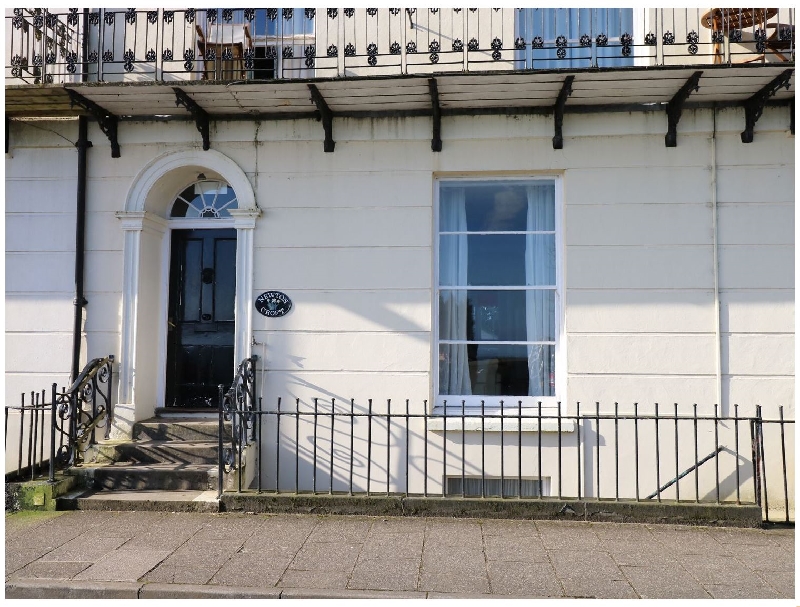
176, 443
108, 501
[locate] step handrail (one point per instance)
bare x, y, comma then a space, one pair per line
78, 411
238, 405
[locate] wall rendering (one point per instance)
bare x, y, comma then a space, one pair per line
349, 236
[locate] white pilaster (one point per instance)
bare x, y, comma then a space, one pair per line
245, 223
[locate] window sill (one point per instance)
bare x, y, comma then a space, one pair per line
510, 424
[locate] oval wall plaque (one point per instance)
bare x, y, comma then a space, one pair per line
273, 304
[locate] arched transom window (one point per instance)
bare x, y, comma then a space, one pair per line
205, 199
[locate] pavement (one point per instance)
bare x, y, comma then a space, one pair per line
102, 554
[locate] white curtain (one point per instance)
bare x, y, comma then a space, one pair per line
454, 370
540, 315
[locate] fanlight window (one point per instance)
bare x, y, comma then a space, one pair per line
205, 199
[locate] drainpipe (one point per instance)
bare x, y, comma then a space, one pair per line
717, 329
82, 144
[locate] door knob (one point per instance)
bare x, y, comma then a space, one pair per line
206, 317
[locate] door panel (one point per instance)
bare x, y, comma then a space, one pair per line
201, 321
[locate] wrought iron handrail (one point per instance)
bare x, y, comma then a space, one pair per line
78, 411
237, 405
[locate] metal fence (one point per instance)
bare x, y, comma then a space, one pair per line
30, 438
666, 454
44, 46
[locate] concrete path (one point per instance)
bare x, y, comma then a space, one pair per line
95, 554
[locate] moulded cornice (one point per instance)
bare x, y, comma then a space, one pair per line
138, 220
245, 218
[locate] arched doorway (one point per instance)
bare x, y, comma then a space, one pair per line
155, 210
202, 294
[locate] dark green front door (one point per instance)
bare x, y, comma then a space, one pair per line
200, 341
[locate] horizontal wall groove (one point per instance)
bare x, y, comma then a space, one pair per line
341, 247
643, 375
639, 333
353, 332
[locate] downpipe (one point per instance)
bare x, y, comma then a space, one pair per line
83, 144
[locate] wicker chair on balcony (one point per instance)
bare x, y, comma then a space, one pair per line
222, 49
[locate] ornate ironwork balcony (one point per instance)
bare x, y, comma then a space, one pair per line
97, 45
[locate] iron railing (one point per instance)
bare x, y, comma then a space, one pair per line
103, 45
676, 455
27, 447
237, 405
75, 414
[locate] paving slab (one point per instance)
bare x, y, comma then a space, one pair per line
124, 565
24, 522
504, 548
294, 578
450, 583
781, 581
762, 558
181, 573
521, 578
86, 549
310, 593
390, 545
55, 570
664, 583
750, 591
243, 570
326, 557
341, 530
385, 574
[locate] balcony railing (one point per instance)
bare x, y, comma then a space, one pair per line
86, 45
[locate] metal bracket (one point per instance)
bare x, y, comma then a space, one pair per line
566, 91
105, 119
675, 108
754, 106
791, 116
436, 142
325, 115
200, 116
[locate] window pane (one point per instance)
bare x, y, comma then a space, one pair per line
497, 206
497, 315
496, 370
497, 260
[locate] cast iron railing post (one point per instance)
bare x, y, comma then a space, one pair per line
52, 475
220, 471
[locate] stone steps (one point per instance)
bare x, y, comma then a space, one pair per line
193, 429
149, 477
171, 462
160, 452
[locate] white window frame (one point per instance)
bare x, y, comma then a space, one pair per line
472, 403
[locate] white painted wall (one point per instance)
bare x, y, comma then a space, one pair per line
349, 235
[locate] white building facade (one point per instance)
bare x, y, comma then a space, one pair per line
612, 270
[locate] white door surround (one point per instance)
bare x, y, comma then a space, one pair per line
146, 254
